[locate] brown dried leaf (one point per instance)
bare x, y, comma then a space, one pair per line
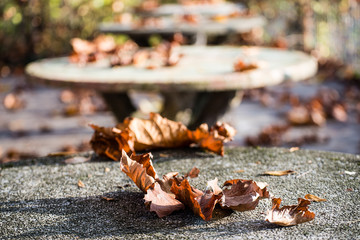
202, 204
111, 141
139, 169
314, 198
107, 198
194, 172
214, 139
244, 195
240, 66
279, 173
290, 215
161, 202
157, 132
13, 102
80, 184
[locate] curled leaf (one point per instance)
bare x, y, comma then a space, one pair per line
243, 195
279, 173
139, 169
157, 132
194, 172
161, 202
212, 139
111, 141
289, 215
136, 134
202, 204
314, 198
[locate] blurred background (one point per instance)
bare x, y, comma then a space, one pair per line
36, 120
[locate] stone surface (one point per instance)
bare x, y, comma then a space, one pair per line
40, 198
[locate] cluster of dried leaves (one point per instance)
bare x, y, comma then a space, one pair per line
82, 102
136, 134
128, 53
173, 192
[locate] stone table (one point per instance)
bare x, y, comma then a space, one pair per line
203, 71
202, 30
40, 198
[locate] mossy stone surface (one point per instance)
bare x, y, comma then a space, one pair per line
40, 198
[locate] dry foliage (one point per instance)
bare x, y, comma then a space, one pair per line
173, 193
136, 134
314, 198
289, 215
128, 53
279, 173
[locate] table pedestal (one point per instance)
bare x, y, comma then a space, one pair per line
207, 107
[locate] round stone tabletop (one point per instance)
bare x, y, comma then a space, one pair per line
201, 68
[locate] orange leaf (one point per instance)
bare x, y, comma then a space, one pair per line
244, 195
161, 202
139, 169
110, 141
290, 215
214, 139
279, 173
314, 198
202, 204
81, 184
157, 132
194, 172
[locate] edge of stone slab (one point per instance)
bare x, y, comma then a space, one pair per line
176, 153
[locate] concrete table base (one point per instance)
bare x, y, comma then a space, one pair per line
40, 198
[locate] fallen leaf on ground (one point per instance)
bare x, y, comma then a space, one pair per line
202, 204
314, 198
243, 195
136, 134
161, 202
107, 198
194, 172
279, 173
293, 149
172, 193
80, 184
140, 170
13, 102
289, 215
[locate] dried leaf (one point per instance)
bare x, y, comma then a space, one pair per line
289, 215
13, 102
161, 202
293, 149
243, 195
279, 173
314, 198
241, 66
111, 141
194, 172
107, 198
140, 170
80, 184
157, 132
214, 139
202, 204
